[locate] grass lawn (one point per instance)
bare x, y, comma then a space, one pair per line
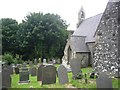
79, 83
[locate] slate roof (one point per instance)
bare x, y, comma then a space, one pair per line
88, 28
78, 44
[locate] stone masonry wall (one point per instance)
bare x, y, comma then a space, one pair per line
91, 48
106, 50
84, 59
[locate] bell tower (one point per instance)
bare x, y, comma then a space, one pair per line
81, 16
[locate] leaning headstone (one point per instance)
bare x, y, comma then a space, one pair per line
75, 66
103, 81
33, 71
49, 74
6, 79
39, 73
24, 75
62, 74
16, 70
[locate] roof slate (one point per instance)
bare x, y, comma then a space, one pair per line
88, 28
78, 44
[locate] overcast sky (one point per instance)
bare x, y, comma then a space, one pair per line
67, 9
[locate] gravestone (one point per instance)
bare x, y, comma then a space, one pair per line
103, 81
49, 74
54, 61
11, 69
33, 71
39, 73
44, 60
62, 74
24, 75
16, 70
75, 66
19, 65
24, 64
35, 61
6, 79
30, 63
50, 62
39, 60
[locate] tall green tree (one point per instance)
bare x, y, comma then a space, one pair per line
42, 36
9, 29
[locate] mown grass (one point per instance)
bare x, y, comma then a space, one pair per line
79, 83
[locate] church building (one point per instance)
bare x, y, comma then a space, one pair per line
96, 41
80, 44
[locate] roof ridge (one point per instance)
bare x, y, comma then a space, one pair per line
77, 36
93, 16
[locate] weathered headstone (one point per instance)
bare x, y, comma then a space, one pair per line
54, 61
50, 62
35, 61
49, 74
75, 66
24, 64
39, 60
6, 79
16, 70
39, 74
103, 81
19, 65
30, 63
62, 74
44, 60
11, 69
33, 71
24, 75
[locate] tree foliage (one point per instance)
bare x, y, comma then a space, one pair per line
39, 35
9, 29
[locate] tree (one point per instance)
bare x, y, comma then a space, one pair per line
42, 36
9, 29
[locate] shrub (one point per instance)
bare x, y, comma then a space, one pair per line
18, 59
8, 58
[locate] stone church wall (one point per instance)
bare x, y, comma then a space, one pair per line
106, 50
91, 48
84, 59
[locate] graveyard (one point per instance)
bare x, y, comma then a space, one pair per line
42, 54
70, 83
